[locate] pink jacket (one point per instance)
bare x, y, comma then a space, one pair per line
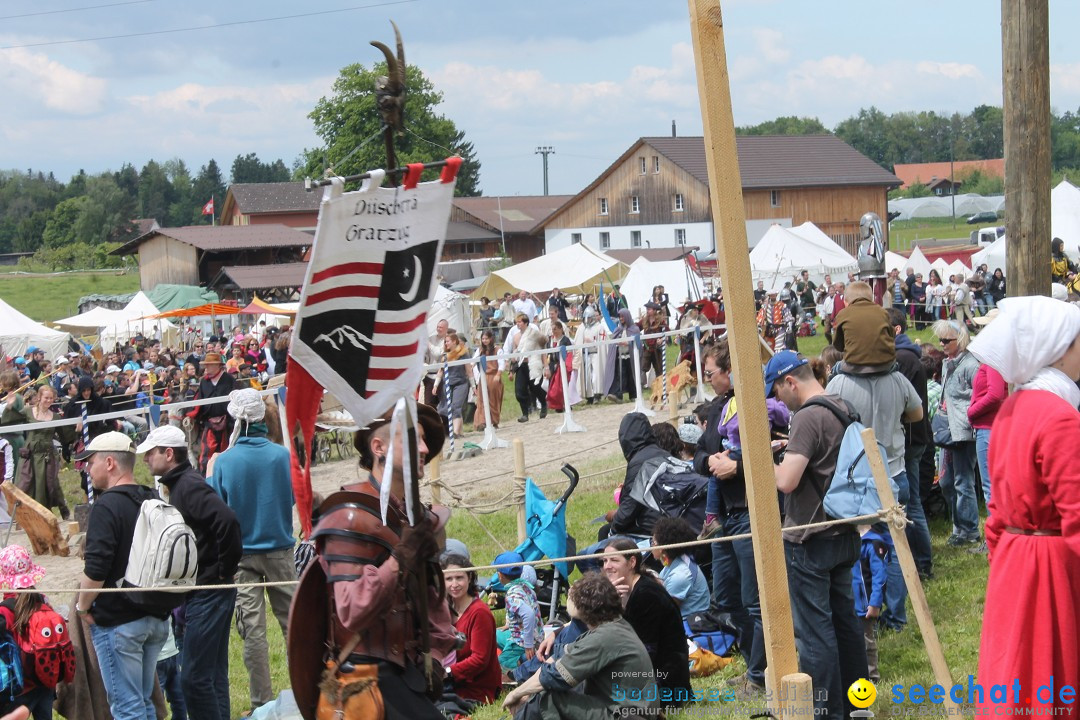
988, 392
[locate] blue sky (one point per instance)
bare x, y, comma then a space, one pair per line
586, 77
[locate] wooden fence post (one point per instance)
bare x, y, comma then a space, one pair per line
911, 575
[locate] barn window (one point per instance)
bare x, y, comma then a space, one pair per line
656, 163
603, 206
774, 198
635, 206
605, 240
680, 204
635, 238
641, 164
680, 236
575, 238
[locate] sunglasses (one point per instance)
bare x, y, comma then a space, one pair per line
946, 341
709, 373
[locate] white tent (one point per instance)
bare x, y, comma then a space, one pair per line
677, 277
18, 332
118, 326
896, 261
917, 261
574, 269
1065, 217
993, 255
945, 269
454, 308
781, 254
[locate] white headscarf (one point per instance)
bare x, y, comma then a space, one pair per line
1028, 336
247, 407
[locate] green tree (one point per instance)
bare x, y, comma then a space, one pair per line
348, 123
180, 203
155, 193
60, 229
207, 184
250, 169
30, 232
866, 132
107, 214
787, 125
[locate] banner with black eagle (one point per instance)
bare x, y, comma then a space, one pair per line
361, 327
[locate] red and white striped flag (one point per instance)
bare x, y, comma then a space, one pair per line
361, 327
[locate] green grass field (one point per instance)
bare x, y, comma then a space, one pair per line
46, 298
905, 234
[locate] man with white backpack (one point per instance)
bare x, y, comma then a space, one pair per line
128, 635
205, 657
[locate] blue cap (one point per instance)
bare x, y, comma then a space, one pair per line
20, 361
33, 349
780, 365
506, 558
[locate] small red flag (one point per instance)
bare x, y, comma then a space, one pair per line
208, 208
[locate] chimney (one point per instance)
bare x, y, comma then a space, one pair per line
673, 129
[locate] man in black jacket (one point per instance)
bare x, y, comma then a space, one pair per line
734, 577
205, 660
917, 437
213, 420
638, 445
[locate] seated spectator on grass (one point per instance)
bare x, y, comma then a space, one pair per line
653, 614
475, 673
681, 576
523, 630
609, 660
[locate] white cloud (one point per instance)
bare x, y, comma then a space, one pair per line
771, 45
26, 75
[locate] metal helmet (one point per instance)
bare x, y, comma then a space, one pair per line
872, 247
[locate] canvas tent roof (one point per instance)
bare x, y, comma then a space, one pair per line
454, 308
574, 269
781, 254
114, 326
676, 276
1065, 217
18, 332
993, 255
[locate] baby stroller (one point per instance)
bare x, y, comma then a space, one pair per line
545, 523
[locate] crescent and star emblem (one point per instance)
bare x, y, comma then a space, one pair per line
411, 295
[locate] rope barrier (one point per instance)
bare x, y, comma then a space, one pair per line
894, 516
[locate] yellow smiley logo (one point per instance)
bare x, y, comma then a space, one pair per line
862, 693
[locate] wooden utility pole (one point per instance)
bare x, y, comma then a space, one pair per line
1025, 70
733, 263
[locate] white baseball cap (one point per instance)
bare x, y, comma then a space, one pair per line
166, 436
107, 442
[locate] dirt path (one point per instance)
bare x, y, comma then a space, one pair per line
482, 477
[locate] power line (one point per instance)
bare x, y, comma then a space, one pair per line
78, 9
207, 27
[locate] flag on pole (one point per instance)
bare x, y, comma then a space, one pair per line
361, 326
208, 208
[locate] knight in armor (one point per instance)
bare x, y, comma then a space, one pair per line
871, 258
372, 644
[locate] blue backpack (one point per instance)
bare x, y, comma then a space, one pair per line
852, 491
11, 668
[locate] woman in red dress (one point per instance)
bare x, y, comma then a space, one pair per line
552, 372
475, 672
1031, 621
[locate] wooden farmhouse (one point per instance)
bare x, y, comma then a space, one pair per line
209, 256
516, 218
656, 194
283, 203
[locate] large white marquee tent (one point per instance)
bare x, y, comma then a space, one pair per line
783, 253
18, 332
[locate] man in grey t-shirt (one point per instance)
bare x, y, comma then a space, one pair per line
828, 635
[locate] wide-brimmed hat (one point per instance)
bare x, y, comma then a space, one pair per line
987, 318
429, 419
17, 570
213, 358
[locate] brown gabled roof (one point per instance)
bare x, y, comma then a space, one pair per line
465, 232
225, 237
782, 161
267, 198
266, 277
766, 162
913, 173
512, 213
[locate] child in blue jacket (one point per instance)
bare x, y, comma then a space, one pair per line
868, 583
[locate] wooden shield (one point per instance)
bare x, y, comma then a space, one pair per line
309, 624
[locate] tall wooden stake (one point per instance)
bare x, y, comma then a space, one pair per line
519, 483
1025, 69
934, 650
733, 262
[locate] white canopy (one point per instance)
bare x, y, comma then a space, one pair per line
574, 269
919, 263
118, 326
454, 308
677, 277
945, 269
896, 261
1065, 217
993, 255
18, 332
782, 254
